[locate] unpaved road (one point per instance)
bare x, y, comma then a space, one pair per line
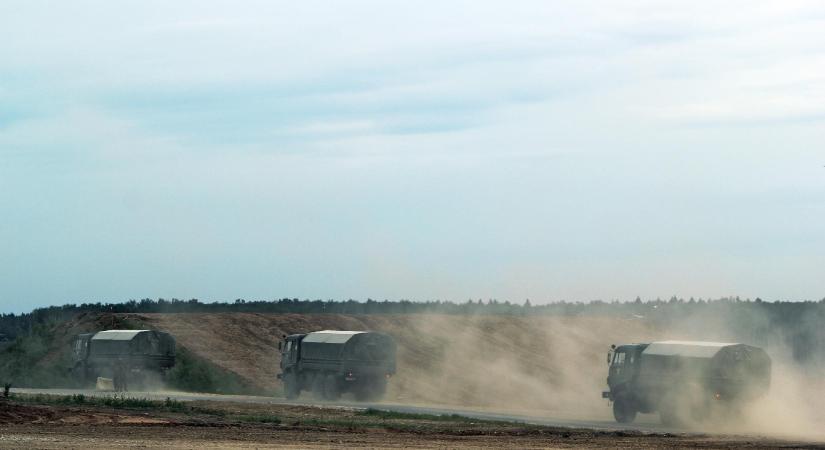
260, 437
645, 424
52, 423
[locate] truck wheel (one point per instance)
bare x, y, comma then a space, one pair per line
362, 393
331, 391
318, 386
623, 411
291, 390
138, 380
371, 392
80, 376
89, 378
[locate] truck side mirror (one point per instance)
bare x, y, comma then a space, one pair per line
279, 345
609, 356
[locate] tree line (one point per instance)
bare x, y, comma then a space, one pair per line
797, 326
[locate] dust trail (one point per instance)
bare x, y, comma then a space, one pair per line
552, 364
556, 365
792, 406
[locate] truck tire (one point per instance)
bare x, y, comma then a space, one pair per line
683, 407
291, 389
623, 410
137, 380
361, 394
118, 382
371, 392
331, 391
318, 386
80, 375
90, 378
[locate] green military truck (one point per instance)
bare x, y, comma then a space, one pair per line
124, 356
329, 363
685, 381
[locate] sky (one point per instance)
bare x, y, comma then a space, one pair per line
424, 150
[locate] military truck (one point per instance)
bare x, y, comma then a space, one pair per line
330, 363
685, 381
125, 356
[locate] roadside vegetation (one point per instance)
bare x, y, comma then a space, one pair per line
273, 415
23, 359
126, 402
393, 415
414, 422
194, 374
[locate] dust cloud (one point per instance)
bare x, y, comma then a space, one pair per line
549, 364
556, 365
543, 365
792, 406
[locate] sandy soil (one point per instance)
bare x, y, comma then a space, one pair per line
62, 427
62, 437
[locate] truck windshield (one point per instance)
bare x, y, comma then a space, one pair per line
618, 358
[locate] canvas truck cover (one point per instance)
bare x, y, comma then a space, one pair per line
687, 349
715, 360
348, 345
122, 342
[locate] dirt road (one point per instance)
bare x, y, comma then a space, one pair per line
50, 422
647, 431
257, 437
645, 423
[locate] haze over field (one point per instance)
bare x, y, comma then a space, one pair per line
450, 150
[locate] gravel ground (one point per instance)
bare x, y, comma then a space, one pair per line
219, 425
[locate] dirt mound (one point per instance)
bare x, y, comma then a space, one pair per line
502, 361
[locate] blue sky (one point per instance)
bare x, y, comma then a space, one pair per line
424, 150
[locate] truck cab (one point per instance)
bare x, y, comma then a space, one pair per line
624, 365
624, 362
290, 351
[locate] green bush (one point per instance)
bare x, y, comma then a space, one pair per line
23, 362
194, 374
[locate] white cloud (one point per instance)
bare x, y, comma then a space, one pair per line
531, 140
